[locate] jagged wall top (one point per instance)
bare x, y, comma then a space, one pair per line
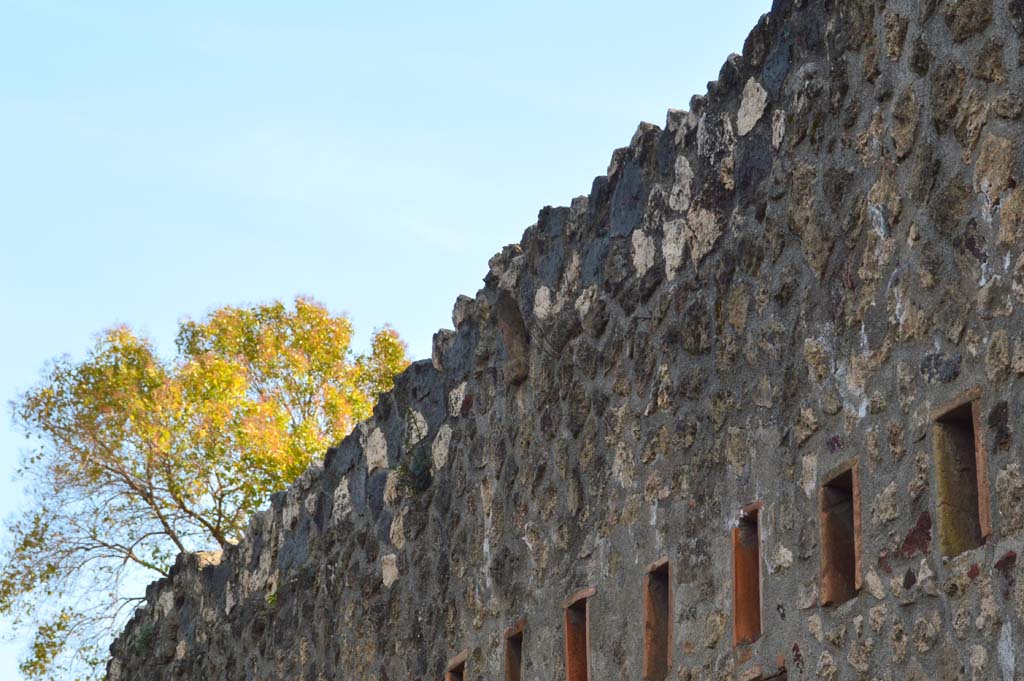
791, 274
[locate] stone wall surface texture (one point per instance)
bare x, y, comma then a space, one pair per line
792, 276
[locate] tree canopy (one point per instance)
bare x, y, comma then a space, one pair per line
134, 458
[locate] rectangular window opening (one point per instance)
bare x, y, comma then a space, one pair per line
746, 573
457, 667
961, 481
657, 622
577, 636
840, 537
457, 673
514, 652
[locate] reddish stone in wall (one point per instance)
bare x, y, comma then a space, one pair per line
919, 539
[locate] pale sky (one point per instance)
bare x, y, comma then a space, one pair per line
158, 160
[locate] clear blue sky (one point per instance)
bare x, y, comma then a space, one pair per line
158, 160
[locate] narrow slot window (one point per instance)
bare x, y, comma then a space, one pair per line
657, 622
746, 573
457, 667
840, 536
514, 652
577, 636
961, 481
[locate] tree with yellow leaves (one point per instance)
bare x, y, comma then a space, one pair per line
135, 459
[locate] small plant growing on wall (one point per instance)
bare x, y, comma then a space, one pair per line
414, 472
144, 641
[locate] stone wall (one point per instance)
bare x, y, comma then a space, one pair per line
734, 355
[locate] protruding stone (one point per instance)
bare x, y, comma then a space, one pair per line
375, 449
885, 508
441, 342
752, 106
827, 670
947, 84
643, 252
462, 311
873, 584
1009, 105
989, 65
804, 218
1017, 361
396, 534
817, 359
996, 168
515, 337
1010, 496
778, 128
679, 194
674, 247
905, 116
895, 33
456, 398
997, 360
806, 425
389, 569
967, 18
701, 232
439, 449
